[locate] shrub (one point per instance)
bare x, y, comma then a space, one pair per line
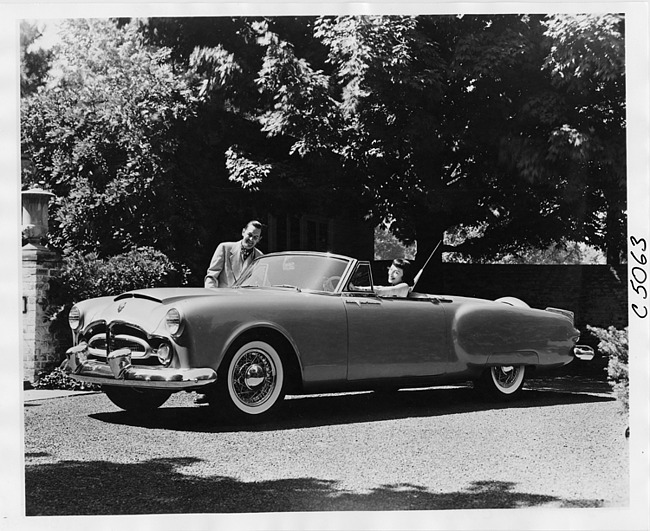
87, 276
57, 379
614, 343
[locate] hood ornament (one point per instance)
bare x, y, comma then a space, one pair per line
121, 307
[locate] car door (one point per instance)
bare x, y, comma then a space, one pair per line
394, 337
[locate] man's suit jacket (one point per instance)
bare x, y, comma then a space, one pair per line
227, 266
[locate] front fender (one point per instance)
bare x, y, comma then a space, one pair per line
258, 327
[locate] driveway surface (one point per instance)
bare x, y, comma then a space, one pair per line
562, 445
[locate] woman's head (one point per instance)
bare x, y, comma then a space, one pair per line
400, 271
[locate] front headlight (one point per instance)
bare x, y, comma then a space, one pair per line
174, 322
74, 318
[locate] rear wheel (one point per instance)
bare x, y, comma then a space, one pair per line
504, 382
251, 383
136, 400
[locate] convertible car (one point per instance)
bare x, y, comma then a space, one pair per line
307, 322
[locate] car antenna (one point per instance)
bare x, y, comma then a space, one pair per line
417, 277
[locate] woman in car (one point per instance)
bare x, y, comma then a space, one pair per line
400, 280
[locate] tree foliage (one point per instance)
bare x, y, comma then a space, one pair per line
508, 129
34, 61
234, 58
587, 60
614, 344
388, 247
510, 123
104, 137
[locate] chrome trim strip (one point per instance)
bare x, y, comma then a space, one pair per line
92, 371
584, 352
101, 352
566, 313
120, 363
176, 379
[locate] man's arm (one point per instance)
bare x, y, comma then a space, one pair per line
216, 266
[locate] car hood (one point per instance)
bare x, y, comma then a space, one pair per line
170, 295
147, 308
144, 307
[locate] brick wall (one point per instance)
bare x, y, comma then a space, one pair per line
597, 294
38, 348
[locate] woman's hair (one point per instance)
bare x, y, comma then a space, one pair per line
405, 266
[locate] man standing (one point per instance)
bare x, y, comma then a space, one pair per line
232, 258
229, 261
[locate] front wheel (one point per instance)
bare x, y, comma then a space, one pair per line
136, 400
251, 383
505, 382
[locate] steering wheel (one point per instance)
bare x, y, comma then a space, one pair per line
330, 283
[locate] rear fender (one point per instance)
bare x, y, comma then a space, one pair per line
522, 357
502, 334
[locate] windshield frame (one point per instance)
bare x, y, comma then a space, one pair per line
347, 263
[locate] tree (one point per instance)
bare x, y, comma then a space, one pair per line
587, 60
388, 247
34, 61
454, 121
104, 137
157, 132
439, 122
230, 56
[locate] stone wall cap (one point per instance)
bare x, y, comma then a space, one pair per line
37, 191
37, 250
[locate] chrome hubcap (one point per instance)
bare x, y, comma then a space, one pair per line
505, 376
253, 377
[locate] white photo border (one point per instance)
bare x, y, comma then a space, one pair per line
638, 185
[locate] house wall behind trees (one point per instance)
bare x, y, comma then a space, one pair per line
597, 294
342, 233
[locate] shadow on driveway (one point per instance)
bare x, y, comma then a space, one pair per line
325, 410
158, 486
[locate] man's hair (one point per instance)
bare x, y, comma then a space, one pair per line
254, 223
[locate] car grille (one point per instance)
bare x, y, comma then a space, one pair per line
121, 335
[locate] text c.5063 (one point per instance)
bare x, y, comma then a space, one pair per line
639, 276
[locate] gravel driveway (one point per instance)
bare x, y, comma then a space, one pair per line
561, 445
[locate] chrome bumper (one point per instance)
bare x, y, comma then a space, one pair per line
583, 352
119, 372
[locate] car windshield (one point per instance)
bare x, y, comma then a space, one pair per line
305, 272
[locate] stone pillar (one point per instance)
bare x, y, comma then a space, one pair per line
39, 265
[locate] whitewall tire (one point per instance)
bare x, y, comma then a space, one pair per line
252, 383
503, 382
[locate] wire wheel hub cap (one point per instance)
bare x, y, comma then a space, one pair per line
506, 376
254, 378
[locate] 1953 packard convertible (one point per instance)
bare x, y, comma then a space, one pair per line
306, 322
